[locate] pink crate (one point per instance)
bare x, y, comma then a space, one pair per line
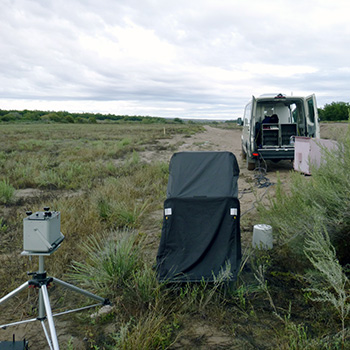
309, 151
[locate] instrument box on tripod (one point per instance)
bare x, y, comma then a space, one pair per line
42, 231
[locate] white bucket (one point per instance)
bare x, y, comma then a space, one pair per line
262, 236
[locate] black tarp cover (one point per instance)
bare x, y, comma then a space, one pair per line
197, 174
201, 223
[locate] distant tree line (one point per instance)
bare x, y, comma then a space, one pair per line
334, 111
67, 117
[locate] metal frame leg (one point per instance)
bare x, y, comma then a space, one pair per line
79, 290
47, 336
14, 292
8, 297
49, 316
41, 281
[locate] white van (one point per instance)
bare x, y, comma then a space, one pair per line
270, 124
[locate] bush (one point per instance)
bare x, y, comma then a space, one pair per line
329, 284
110, 263
152, 331
322, 198
335, 111
6, 192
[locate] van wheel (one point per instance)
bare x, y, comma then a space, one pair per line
250, 164
243, 154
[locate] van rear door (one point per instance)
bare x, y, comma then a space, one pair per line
252, 127
313, 128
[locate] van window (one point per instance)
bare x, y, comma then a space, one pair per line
263, 110
268, 108
296, 113
310, 104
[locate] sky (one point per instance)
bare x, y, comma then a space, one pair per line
171, 58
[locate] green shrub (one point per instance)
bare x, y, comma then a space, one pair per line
324, 198
198, 296
6, 192
311, 222
328, 284
110, 262
137, 190
119, 213
143, 288
154, 330
3, 226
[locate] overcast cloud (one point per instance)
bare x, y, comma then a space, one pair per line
167, 58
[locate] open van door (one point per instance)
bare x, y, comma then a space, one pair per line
247, 117
251, 144
252, 125
313, 128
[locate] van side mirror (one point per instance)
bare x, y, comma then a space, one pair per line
240, 121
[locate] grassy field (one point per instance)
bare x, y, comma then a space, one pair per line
93, 175
110, 198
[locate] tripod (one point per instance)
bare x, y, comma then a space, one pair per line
41, 281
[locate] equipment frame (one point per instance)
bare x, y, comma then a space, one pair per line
41, 281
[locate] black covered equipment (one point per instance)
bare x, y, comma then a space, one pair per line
201, 223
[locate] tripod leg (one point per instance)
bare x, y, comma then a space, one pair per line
49, 316
41, 310
14, 292
47, 336
79, 290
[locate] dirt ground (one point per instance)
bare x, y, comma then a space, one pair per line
212, 139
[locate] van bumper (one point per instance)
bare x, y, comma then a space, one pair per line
277, 153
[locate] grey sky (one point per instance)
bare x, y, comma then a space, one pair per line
170, 58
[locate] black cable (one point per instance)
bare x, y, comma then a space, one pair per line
243, 192
260, 177
261, 181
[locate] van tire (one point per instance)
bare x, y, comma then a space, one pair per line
250, 163
243, 154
